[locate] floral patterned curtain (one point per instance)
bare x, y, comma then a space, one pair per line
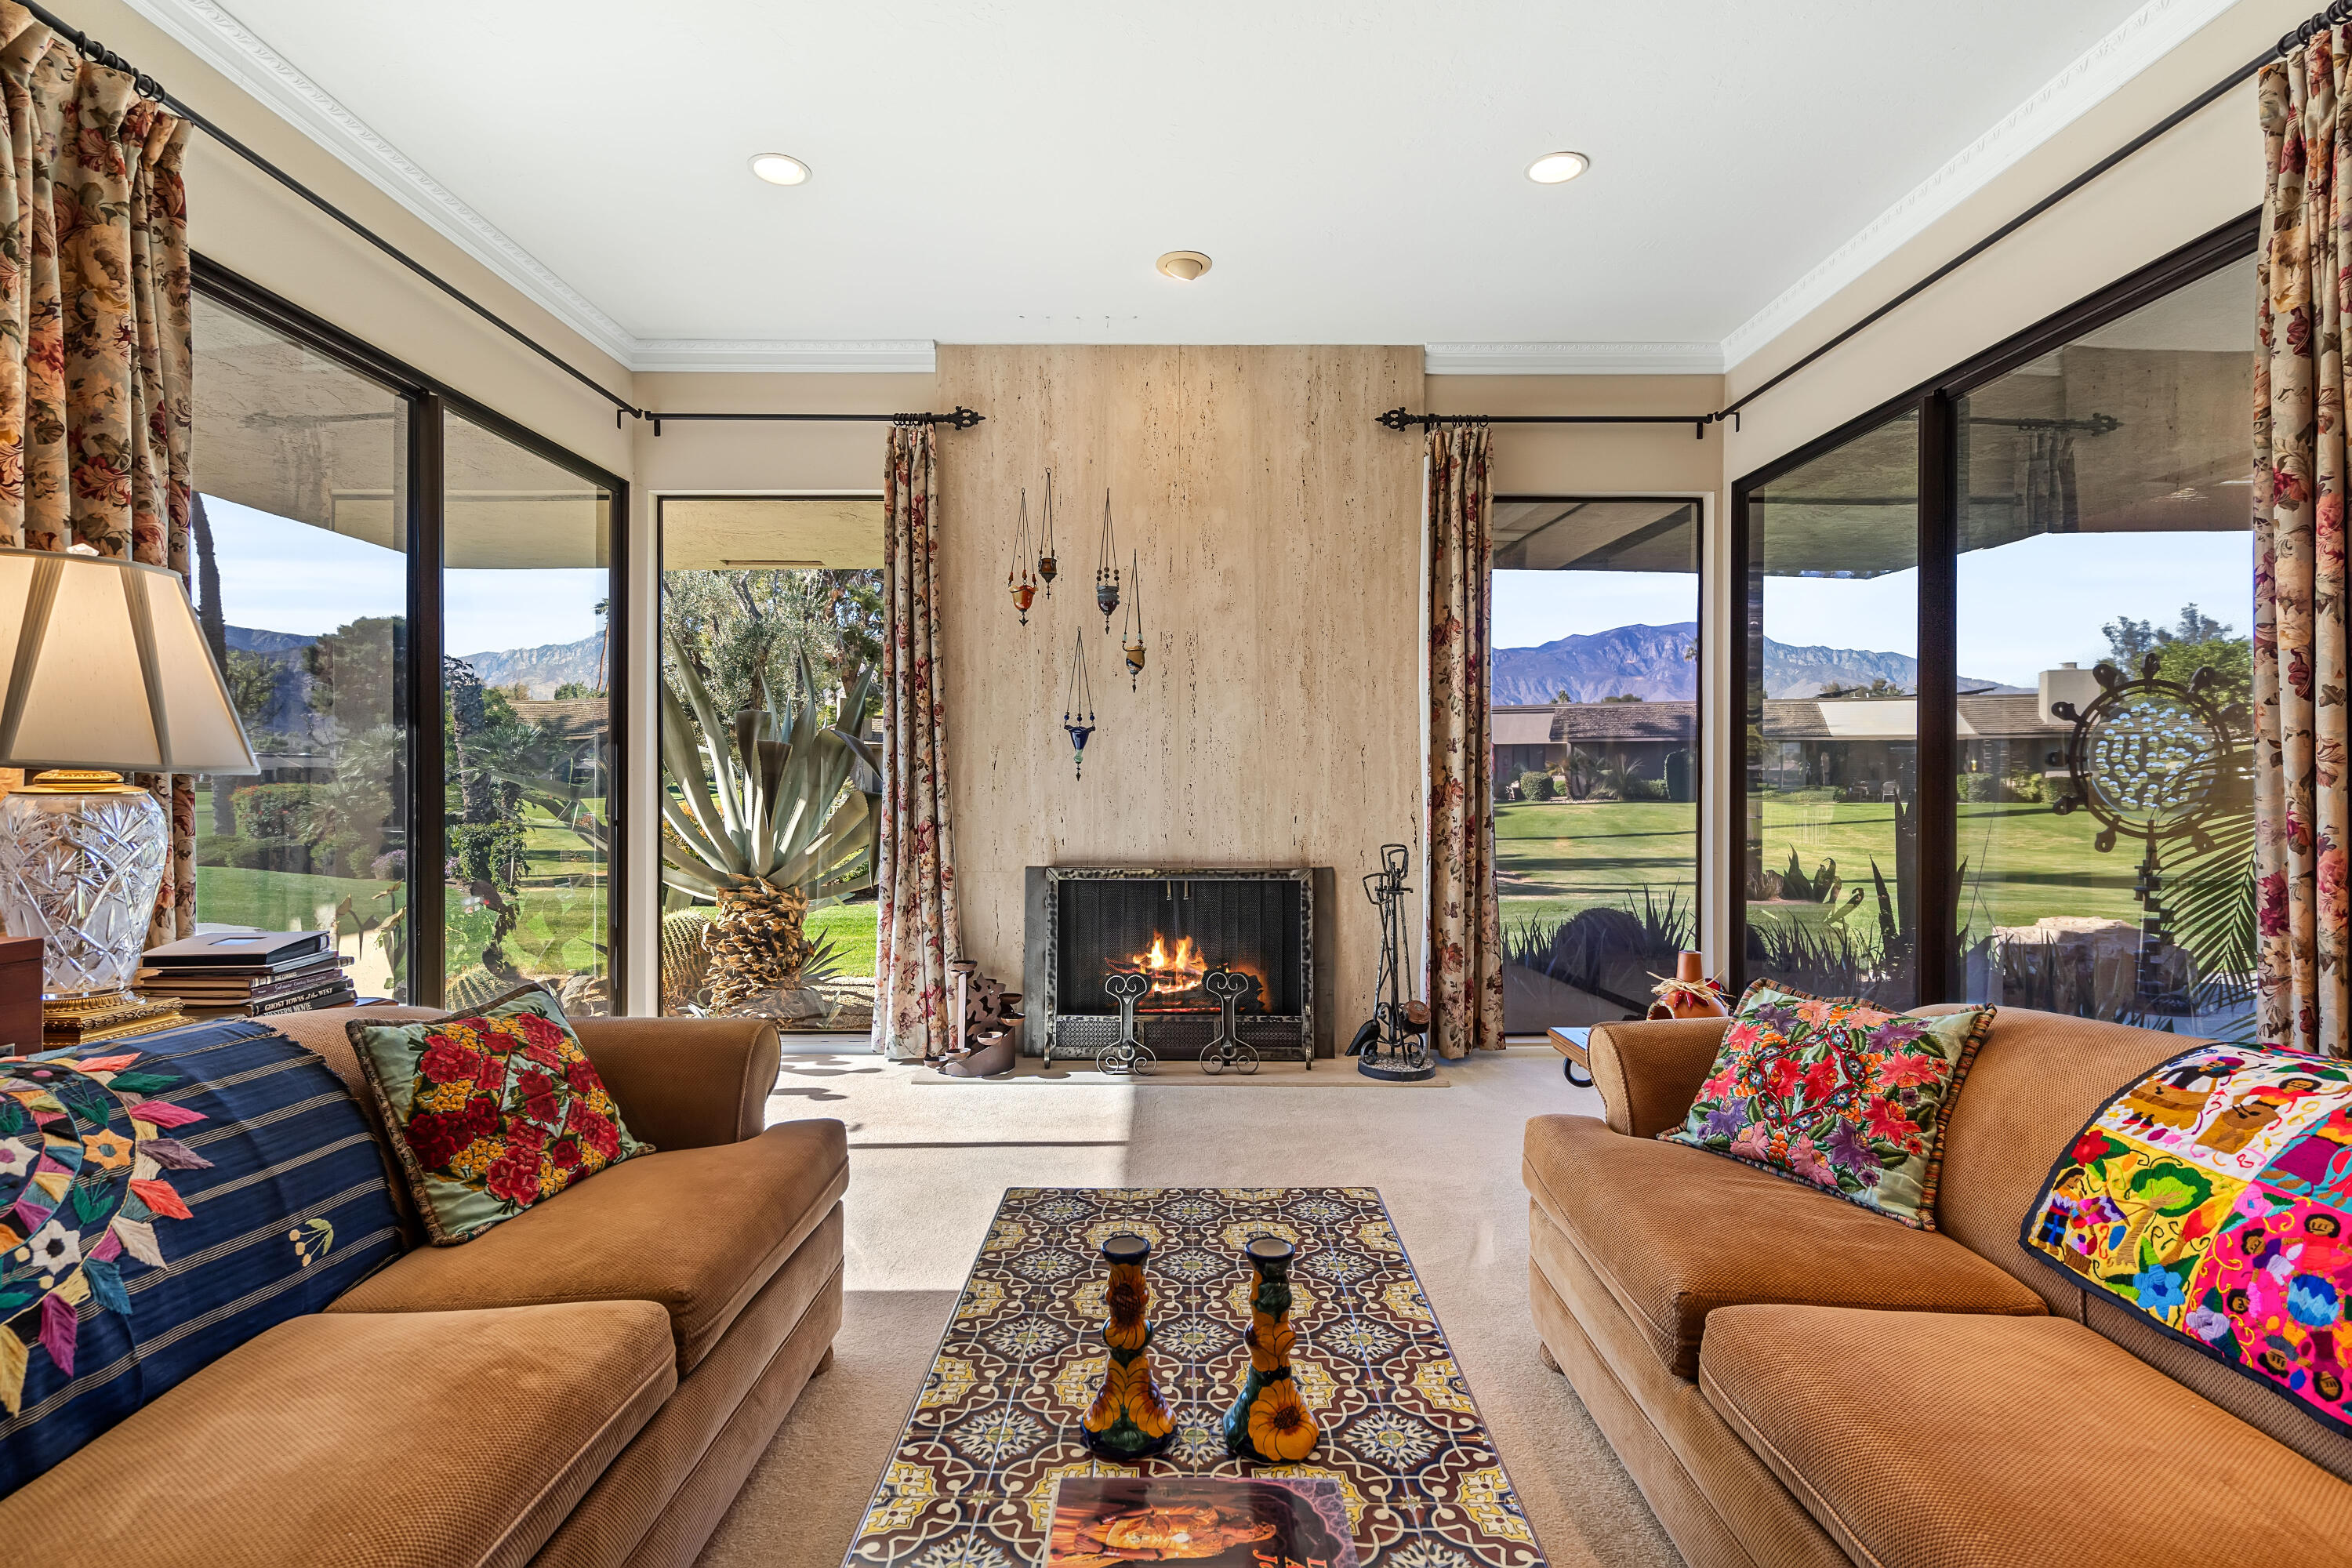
94, 337
1465, 948
2301, 798
919, 929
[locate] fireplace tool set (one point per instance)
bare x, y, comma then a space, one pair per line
1393, 1043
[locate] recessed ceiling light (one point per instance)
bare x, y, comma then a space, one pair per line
1558, 168
780, 168
1185, 265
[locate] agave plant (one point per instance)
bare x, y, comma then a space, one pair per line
775, 815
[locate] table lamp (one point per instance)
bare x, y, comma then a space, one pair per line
107, 673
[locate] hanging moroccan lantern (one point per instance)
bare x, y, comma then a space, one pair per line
1107, 569
1047, 565
1021, 582
1133, 638
1078, 706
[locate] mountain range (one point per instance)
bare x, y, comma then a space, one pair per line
1659, 664
543, 668
539, 670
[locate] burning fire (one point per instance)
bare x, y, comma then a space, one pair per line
1178, 971
1169, 973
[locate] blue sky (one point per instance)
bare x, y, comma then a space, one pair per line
284, 576
2024, 607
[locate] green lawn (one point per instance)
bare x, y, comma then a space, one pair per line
2023, 861
851, 927
283, 901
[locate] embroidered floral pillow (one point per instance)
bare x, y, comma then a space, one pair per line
1841, 1094
490, 1112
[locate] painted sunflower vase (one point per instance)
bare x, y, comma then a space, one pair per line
1126, 1421
1269, 1422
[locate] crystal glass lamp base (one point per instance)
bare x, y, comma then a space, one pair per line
81, 869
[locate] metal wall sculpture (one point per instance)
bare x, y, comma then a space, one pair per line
1132, 639
1021, 581
2149, 759
1107, 570
1078, 705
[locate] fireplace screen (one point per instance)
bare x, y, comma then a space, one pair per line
1173, 931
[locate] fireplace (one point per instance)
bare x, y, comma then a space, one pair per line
1172, 926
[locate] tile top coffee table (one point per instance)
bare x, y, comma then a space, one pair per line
996, 1425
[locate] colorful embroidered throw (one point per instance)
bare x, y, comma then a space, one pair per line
163, 1200
1841, 1093
490, 1112
2213, 1195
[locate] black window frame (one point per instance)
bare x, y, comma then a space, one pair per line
430, 400
1937, 977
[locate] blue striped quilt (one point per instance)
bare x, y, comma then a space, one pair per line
163, 1200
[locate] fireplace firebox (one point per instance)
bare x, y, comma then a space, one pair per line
1172, 927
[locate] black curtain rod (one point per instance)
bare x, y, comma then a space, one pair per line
1398, 419
961, 419
90, 48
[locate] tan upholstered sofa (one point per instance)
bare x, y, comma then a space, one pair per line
1793, 1380
586, 1384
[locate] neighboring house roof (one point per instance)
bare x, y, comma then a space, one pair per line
1840, 719
1519, 726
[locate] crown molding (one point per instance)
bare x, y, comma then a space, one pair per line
888, 356
215, 36
2141, 39
1572, 359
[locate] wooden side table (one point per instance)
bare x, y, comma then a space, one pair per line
1574, 1056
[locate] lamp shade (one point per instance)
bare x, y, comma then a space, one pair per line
107, 668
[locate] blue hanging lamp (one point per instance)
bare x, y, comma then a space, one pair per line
1078, 706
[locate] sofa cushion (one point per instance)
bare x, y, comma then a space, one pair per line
1840, 1093
411, 1439
696, 1231
1676, 1234
2047, 1444
491, 1110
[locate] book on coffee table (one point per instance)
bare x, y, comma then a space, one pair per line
1212, 1522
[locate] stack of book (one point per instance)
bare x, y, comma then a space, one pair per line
251, 973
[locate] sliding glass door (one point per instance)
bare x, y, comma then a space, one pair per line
1997, 673
409, 596
1595, 762
774, 603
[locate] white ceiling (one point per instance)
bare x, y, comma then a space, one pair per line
1006, 171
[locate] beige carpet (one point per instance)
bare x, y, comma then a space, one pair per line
926, 1170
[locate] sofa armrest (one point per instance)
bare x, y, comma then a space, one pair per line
1648, 1073
686, 1083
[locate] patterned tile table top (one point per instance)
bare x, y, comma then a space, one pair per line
996, 1424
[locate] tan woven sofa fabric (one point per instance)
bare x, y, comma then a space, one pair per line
354, 1440
683, 1442
696, 1231
1648, 1081
1677, 1233
1719, 1501
1942, 1440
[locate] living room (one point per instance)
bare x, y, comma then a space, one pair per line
961, 787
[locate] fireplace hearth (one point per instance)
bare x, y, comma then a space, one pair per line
1172, 926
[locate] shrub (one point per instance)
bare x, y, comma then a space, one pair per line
2027, 787
269, 854
1535, 786
272, 811
1645, 789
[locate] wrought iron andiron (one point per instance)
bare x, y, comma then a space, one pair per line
1229, 1050
1130, 1055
